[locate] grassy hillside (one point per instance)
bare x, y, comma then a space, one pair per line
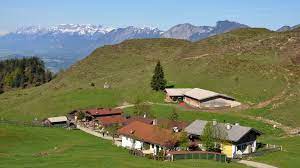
46, 147
258, 67
253, 65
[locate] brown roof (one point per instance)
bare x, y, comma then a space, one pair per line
149, 133
141, 119
109, 120
165, 123
103, 111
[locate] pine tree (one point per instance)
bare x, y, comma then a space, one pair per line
158, 81
15, 73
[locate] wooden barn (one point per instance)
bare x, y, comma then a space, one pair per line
208, 99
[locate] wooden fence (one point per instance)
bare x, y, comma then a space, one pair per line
198, 155
268, 148
22, 123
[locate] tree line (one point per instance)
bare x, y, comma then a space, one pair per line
23, 73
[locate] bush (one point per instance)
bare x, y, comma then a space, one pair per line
80, 115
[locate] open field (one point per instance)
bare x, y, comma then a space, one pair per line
289, 157
51, 147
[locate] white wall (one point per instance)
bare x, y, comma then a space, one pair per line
131, 143
234, 150
155, 148
135, 144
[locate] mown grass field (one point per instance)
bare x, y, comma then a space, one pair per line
289, 157
53, 147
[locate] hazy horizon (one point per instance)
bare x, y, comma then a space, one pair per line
271, 14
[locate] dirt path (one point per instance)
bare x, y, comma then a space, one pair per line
196, 57
97, 134
278, 96
125, 106
256, 164
288, 130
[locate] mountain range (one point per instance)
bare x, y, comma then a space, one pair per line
61, 46
288, 28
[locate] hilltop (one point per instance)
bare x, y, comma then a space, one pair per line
257, 66
62, 45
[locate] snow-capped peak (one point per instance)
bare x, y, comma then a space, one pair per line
80, 29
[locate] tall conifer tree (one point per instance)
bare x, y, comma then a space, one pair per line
158, 81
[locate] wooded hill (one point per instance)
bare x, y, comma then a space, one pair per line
22, 73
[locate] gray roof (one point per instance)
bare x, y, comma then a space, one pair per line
234, 134
200, 94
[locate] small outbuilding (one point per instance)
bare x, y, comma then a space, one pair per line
61, 121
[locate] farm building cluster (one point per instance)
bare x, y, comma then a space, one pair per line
155, 137
200, 98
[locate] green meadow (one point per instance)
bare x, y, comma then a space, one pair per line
253, 65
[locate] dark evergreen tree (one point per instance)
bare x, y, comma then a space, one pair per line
1, 88
15, 73
158, 81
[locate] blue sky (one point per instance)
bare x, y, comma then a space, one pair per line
156, 13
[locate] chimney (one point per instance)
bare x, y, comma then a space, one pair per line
228, 126
154, 122
214, 122
175, 129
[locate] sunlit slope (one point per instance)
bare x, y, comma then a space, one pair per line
253, 65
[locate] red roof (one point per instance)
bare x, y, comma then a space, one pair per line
109, 120
104, 111
149, 133
165, 123
141, 119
